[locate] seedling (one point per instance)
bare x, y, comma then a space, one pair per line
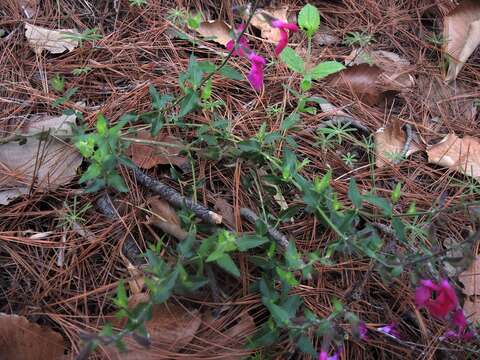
357, 38
81, 71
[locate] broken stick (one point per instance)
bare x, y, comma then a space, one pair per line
174, 198
276, 235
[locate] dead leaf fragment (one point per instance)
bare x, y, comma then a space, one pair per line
28, 7
54, 41
23, 340
396, 70
147, 155
461, 155
171, 328
217, 30
461, 31
47, 163
471, 281
166, 218
361, 81
226, 210
261, 21
389, 144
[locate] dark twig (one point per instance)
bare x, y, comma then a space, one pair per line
176, 199
406, 146
276, 235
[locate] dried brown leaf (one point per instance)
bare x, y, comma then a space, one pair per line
462, 155
226, 210
461, 32
54, 41
47, 163
21, 339
217, 30
471, 281
166, 218
171, 328
361, 81
147, 156
260, 21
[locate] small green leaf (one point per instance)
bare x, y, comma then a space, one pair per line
396, 193
194, 21
68, 94
94, 170
280, 315
207, 90
354, 195
326, 68
158, 101
306, 83
189, 103
305, 345
230, 73
58, 83
293, 61
117, 182
101, 125
290, 121
245, 243
227, 264
121, 300
309, 19
207, 66
380, 203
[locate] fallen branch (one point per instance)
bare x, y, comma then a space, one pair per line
176, 199
276, 235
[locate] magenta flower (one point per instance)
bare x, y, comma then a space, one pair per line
462, 333
255, 76
363, 331
390, 329
445, 298
284, 27
242, 44
324, 356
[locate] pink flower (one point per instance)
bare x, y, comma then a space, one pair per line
283, 27
390, 329
324, 356
255, 76
445, 298
242, 43
460, 322
363, 331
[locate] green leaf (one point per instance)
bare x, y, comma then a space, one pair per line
354, 195
245, 243
305, 345
280, 315
230, 73
290, 121
158, 101
116, 181
293, 61
58, 83
94, 170
380, 203
101, 125
309, 19
326, 68
68, 94
207, 90
227, 264
207, 66
189, 103
121, 300
395, 196
195, 20
306, 83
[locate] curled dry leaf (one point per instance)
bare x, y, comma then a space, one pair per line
260, 21
21, 339
165, 217
216, 30
164, 151
361, 81
54, 41
325, 37
45, 163
171, 328
396, 70
461, 31
471, 282
390, 143
461, 155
